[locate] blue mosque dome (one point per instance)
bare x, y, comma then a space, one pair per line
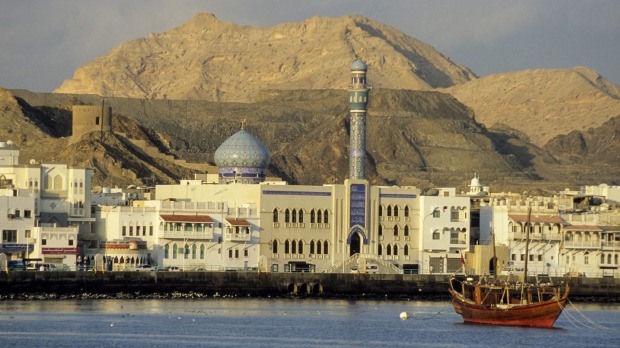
358, 65
242, 158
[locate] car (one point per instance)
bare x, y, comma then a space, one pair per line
145, 268
173, 269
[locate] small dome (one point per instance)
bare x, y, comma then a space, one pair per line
475, 181
358, 65
242, 149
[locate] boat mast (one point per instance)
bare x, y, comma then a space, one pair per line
527, 248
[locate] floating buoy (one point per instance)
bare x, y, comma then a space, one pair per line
404, 316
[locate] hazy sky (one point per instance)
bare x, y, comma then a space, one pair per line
43, 42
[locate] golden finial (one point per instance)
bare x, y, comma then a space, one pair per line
243, 122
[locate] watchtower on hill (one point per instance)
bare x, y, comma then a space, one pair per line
91, 118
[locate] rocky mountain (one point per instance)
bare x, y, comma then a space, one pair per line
208, 59
422, 138
542, 103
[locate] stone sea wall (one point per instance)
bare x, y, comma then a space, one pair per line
252, 284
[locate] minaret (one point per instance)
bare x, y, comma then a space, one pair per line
358, 100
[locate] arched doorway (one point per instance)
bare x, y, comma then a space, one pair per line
356, 244
492, 266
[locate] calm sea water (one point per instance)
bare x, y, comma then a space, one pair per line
284, 323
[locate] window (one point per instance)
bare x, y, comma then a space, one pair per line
311, 247
395, 210
325, 247
294, 216
230, 253
380, 232
318, 247
194, 249
294, 247
275, 246
43, 241
586, 259
236, 253
301, 216
186, 252
395, 250
436, 235
326, 217
395, 230
389, 211
312, 216
286, 247
406, 230
9, 236
300, 247
175, 251
406, 211
275, 215
436, 213
202, 252
245, 253
27, 213
287, 216
406, 250
318, 216
167, 251
380, 250
388, 250
540, 258
131, 230
380, 210
70, 242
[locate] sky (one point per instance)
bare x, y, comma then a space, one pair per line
43, 42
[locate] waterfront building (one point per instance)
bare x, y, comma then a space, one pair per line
61, 198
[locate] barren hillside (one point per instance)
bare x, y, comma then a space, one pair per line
211, 60
542, 103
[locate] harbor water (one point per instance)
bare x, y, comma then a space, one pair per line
229, 322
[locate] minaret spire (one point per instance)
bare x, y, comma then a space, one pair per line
358, 101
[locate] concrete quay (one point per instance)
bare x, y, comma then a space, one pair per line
253, 284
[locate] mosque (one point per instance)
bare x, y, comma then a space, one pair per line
257, 223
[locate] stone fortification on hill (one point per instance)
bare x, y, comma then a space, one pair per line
211, 60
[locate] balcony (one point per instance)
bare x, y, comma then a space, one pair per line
457, 241
203, 235
237, 237
582, 244
536, 236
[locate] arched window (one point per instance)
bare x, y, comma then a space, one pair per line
388, 250
311, 247
380, 250
175, 251
275, 215
395, 249
609, 259
202, 251
406, 230
318, 247
287, 216
301, 216
389, 210
186, 252
406, 211
300, 247
294, 215
406, 251
326, 216
616, 259
380, 232
318, 216
294, 247
380, 210
395, 210
602, 258
275, 247
325, 247
167, 251
395, 230
286, 247
312, 220
194, 249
